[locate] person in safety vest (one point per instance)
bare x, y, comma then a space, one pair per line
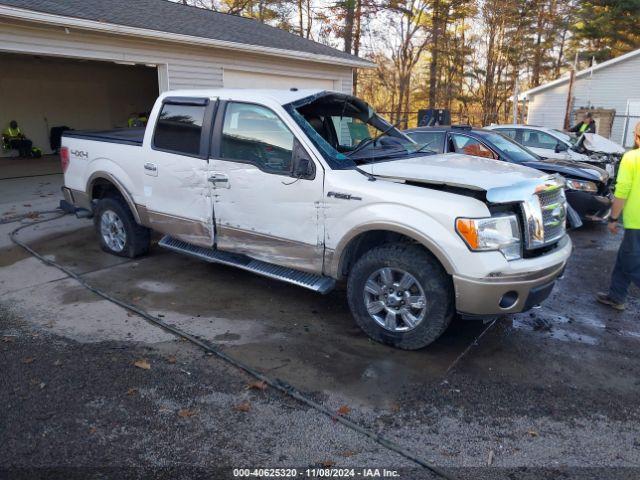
15, 139
587, 125
626, 204
137, 120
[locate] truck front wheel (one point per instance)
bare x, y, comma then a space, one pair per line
118, 231
400, 295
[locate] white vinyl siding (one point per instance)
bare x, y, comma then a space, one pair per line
610, 88
248, 79
187, 67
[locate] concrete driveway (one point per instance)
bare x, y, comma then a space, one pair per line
548, 391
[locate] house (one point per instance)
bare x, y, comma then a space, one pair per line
611, 89
90, 64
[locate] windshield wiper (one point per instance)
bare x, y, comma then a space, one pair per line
373, 140
428, 144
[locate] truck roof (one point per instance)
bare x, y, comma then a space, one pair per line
282, 97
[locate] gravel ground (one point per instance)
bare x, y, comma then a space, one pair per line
550, 393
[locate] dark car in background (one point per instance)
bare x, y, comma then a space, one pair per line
588, 187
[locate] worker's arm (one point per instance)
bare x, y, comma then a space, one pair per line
617, 207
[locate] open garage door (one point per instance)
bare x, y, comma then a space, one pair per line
244, 79
41, 93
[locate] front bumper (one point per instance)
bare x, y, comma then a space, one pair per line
590, 206
506, 292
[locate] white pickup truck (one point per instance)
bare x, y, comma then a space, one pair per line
313, 188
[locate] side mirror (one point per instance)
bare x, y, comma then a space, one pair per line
303, 167
560, 147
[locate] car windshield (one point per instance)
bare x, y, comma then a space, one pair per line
349, 132
514, 151
565, 137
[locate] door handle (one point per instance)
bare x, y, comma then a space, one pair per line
219, 178
151, 169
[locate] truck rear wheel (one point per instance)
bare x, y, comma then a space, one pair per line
401, 296
118, 231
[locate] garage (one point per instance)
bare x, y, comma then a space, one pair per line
249, 79
80, 94
90, 64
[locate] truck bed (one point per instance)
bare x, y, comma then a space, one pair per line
127, 136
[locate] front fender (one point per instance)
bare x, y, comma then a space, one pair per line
442, 242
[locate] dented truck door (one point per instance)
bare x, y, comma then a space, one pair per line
176, 187
267, 190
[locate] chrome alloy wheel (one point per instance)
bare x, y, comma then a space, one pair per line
395, 299
112, 231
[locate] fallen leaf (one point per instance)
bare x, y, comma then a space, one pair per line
28, 360
132, 391
50, 324
242, 407
143, 364
258, 385
164, 409
327, 464
185, 413
533, 433
135, 299
171, 359
93, 430
395, 407
344, 410
490, 458
8, 339
347, 453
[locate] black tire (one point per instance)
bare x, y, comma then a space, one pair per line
428, 272
138, 237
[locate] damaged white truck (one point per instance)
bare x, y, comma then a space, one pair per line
315, 189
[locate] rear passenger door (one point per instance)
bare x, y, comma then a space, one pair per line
260, 209
176, 191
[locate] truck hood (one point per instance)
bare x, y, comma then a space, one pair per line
454, 169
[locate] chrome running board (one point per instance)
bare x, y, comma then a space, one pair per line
317, 283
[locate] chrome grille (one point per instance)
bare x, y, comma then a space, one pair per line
554, 213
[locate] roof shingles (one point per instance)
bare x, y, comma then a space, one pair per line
166, 16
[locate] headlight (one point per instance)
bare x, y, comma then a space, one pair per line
496, 233
581, 185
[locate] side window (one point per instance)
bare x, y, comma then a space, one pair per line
252, 133
179, 128
536, 139
435, 140
509, 132
470, 146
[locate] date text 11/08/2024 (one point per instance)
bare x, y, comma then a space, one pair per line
315, 473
